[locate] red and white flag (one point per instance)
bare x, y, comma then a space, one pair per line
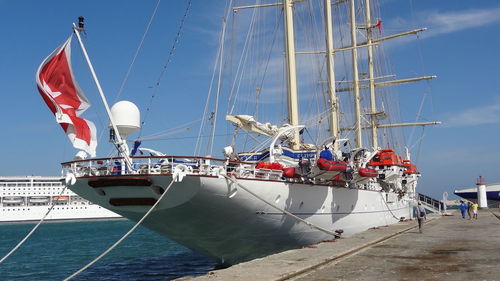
66, 100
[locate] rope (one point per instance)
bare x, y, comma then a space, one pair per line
197, 148
137, 51
490, 207
282, 210
165, 66
124, 236
32, 230
383, 199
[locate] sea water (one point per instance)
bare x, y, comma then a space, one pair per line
57, 249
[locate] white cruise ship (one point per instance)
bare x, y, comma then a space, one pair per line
29, 198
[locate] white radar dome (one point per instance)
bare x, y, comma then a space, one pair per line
127, 117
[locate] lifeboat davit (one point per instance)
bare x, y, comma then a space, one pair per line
331, 165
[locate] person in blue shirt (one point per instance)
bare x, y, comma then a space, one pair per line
326, 154
463, 208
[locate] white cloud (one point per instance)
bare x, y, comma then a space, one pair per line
449, 22
489, 114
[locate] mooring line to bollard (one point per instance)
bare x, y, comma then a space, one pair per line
124, 236
388, 208
33, 229
282, 210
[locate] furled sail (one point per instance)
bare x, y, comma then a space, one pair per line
249, 123
66, 100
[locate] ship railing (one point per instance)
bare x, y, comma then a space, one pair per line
165, 165
247, 171
430, 203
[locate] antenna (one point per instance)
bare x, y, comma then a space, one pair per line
81, 23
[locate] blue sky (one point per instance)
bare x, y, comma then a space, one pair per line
460, 47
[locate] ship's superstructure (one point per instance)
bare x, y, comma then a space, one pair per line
29, 198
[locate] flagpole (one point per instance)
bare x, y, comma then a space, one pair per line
121, 145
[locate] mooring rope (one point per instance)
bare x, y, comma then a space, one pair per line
282, 210
33, 229
490, 207
388, 208
124, 236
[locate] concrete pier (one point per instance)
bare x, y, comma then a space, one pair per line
451, 248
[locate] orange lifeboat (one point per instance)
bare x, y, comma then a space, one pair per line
410, 168
386, 157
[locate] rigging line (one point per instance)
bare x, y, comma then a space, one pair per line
124, 236
207, 102
219, 86
419, 113
197, 148
269, 54
310, 224
33, 229
310, 136
257, 141
191, 137
174, 129
417, 142
421, 57
241, 62
420, 144
137, 51
165, 66
162, 135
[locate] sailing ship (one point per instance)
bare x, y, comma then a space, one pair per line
285, 192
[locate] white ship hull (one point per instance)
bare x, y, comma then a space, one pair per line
67, 212
29, 198
204, 214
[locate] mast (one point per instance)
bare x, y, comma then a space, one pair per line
334, 122
355, 85
120, 144
291, 72
293, 105
371, 76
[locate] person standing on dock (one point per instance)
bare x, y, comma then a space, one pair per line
474, 209
469, 207
463, 208
421, 215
